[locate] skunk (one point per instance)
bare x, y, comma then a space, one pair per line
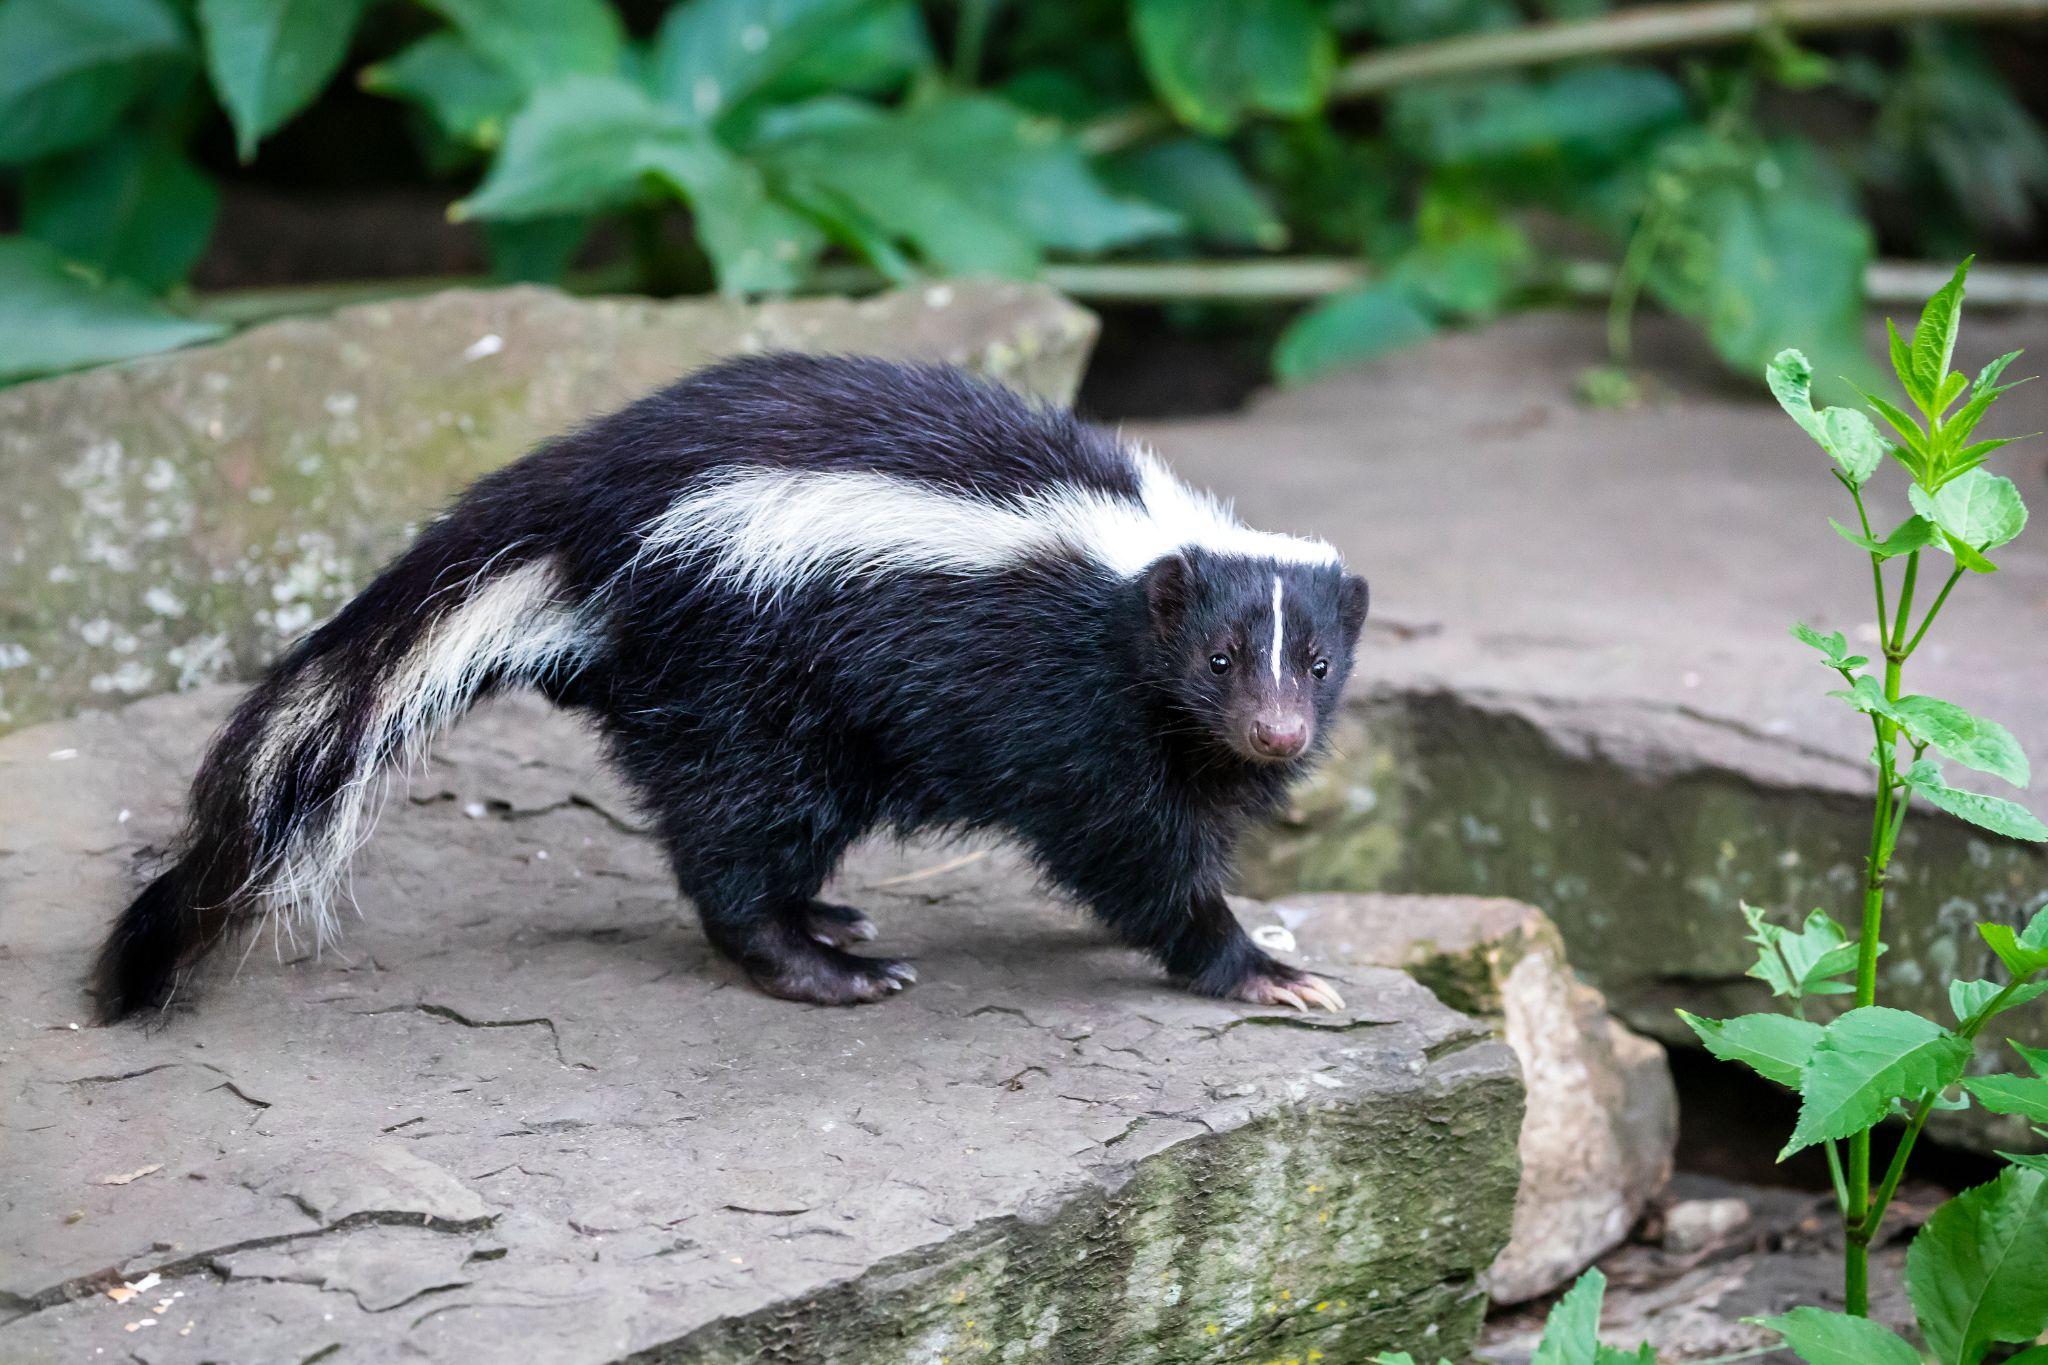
802, 598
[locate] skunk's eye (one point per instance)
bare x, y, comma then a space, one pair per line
1321, 668
1219, 663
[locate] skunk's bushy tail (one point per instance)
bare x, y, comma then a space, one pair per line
290, 785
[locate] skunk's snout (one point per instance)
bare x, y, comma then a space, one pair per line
1279, 734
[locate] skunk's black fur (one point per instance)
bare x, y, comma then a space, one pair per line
1113, 722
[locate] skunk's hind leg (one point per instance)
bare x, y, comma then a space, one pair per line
757, 898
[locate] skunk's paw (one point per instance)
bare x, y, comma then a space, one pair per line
837, 926
1275, 983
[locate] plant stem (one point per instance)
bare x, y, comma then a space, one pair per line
1932, 612
1876, 562
1645, 29
1894, 657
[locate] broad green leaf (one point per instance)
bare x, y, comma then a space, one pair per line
1471, 276
1970, 740
1571, 1334
587, 143
1914, 533
1866, 694
1202, 182
269, 58
1978, 509
2026, 1096
711, 55
1986, 812
1934, 340
1645, 1354
972, 183
1978, 1271
52, 317
873, 55
539, 41
1845, 434
1582, 120
1784, 266
535, 250
1215, 61
1775, 1046
469, 97
1865, 1060
1348, 329
1820, 1337
69, 68
755, 243
129, 207
1965, 998
1804, 961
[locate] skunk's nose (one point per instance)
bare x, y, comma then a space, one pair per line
1280, 736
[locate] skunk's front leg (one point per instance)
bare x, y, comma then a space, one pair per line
1209, 951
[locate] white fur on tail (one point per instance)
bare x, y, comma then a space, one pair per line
519, 624
776, 529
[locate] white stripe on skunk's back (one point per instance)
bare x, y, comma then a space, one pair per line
775, 529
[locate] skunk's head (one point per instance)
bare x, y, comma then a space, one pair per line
1254, 651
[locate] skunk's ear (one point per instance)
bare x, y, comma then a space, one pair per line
1352, 601
1168, 585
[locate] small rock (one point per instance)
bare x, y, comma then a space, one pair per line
1697, 1224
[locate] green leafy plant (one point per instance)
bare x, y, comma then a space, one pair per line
808, 144
1978, 1271
1571, 1334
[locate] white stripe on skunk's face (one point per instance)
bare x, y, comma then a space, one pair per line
774, 529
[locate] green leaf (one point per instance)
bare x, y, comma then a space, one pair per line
269, 58
1775, 1046
1965, 998
1865, 1060
130, 207
711, 55
53, 317
1801, 962
1571, 1334
469, 97
2026, 1096
2023, 952
1201, 182
1978, 1271
1834, 644
71, 67
1934, 340
1902, 359
972, 183
539, 41
1986, 812
1845, 434
1977, 509
587, 143
1914, 533
535, 250
1215, 61
876, 53
1784, 266
1987, 378
1581, 121
1819, 1337
1971, 741
1349, 329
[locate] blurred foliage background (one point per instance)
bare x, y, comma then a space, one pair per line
1356, 173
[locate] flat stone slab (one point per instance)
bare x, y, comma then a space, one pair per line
1577, 688
180, 519
525, 1113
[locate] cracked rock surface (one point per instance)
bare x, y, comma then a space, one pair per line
524, 1114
